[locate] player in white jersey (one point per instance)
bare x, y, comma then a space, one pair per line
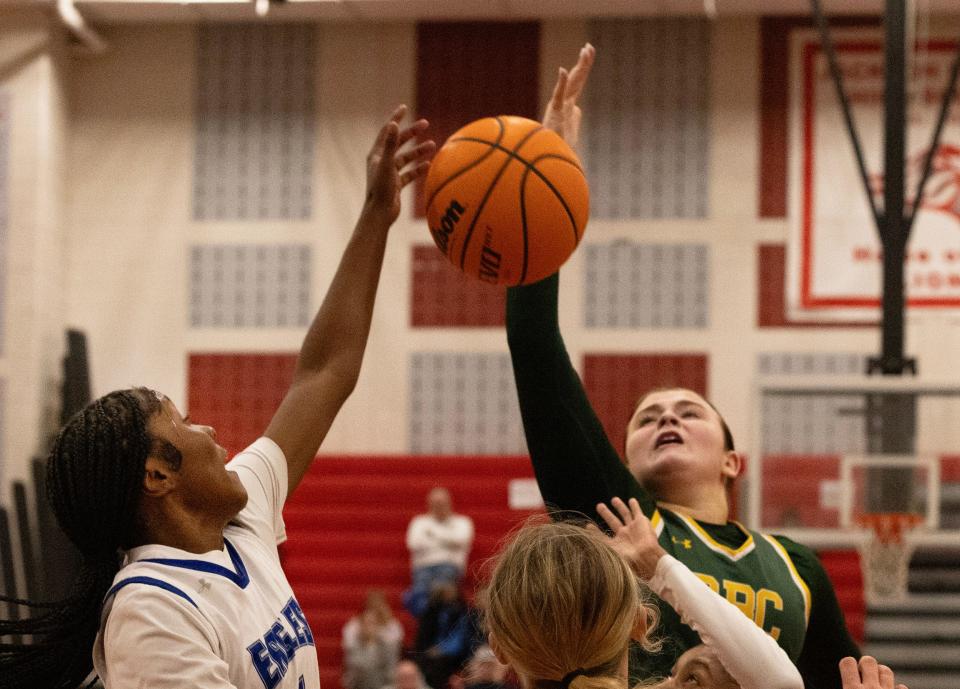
183, 604
181, 585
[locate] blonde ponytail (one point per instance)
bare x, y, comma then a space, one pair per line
560, 600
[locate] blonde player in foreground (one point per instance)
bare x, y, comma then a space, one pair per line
181, 585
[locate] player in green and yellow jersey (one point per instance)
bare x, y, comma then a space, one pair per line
680, 458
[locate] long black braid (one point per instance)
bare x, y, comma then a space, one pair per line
94, 481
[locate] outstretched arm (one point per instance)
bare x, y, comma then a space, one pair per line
575, 464
329, 362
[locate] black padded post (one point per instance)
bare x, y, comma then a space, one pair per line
8, 577
27, 554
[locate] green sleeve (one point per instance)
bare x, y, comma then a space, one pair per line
575, 464
827, 639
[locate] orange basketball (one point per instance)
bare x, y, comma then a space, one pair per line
507, 200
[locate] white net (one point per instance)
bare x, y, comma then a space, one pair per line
885, 555
886, 567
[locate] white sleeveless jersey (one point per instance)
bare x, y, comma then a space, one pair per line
227, 618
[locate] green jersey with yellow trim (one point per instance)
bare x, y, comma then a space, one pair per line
758, 576
577, 467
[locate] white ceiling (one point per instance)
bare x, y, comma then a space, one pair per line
120, 11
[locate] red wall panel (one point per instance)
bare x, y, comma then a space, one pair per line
950, 469
469, 70
442, 296
237, 394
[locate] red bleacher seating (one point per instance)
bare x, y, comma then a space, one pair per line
346, 528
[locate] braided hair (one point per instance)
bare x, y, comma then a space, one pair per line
94, 481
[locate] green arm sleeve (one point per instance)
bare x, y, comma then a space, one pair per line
827, 639
575, 464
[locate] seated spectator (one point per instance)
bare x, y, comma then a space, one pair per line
388, 627
407, 675
439, 543
367, 658
445, 635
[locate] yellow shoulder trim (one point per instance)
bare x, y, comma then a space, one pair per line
794, 574
657, 522
733, 553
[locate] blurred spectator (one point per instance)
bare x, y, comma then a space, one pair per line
371, 644
367, 659
388, 627
439, 543
407, 675
484, 671
445, 635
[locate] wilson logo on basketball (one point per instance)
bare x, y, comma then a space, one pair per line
942, 191
448, 222
489, 263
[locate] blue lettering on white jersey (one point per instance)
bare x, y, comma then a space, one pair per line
273, 652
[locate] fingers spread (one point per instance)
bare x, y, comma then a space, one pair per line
412, 131
413, 173
421, 150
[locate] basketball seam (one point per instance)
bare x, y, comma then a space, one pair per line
523, 209
513, 154
523, 224
563, 202
493, 146
530, 165
510, 157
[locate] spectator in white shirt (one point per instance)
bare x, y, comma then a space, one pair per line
439, 544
